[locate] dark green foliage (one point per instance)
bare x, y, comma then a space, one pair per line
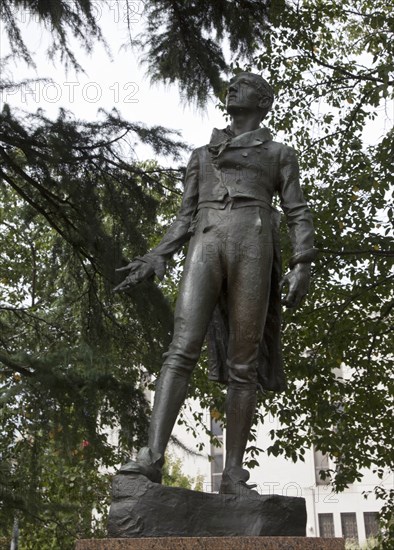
71, 351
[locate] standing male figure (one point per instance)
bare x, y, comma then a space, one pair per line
230, 278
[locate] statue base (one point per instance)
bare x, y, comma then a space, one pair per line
213, 543
141, 508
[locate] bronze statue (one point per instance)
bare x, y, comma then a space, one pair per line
231, 288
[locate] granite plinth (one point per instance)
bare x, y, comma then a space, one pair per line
214, 543
141, 508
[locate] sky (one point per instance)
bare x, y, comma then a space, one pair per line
118, 82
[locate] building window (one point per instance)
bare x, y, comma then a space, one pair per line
349, 526
217, 456
371, 523
217, 428
216, 472
321, 464
326, 525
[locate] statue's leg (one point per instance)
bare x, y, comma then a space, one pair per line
198, 294
249, 270
240, 409
170, 393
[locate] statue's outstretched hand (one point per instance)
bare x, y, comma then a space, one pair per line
298, 281
138, 271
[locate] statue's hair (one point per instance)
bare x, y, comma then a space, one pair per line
258, 82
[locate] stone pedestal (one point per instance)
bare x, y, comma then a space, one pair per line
141, 508
214, 543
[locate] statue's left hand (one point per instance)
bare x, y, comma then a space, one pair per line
298, 281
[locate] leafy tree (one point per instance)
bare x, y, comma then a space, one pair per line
331, 66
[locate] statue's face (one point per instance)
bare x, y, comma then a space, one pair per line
242, 94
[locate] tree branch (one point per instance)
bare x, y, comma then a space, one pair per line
13, 365
360, 77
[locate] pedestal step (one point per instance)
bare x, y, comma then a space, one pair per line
213, 543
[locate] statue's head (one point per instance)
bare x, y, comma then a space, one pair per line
249, 91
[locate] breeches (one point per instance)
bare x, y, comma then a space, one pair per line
231, 249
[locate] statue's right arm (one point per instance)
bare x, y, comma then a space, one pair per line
155, 261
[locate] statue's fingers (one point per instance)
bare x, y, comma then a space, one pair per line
140, 279
128, 267
128, 282
121, 287
134, 278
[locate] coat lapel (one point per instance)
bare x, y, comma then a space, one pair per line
224, 139
251, 139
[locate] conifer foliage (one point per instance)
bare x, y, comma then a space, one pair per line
72, 353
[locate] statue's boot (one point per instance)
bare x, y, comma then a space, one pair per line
234, 483
170, 393
147, 463
240, 409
